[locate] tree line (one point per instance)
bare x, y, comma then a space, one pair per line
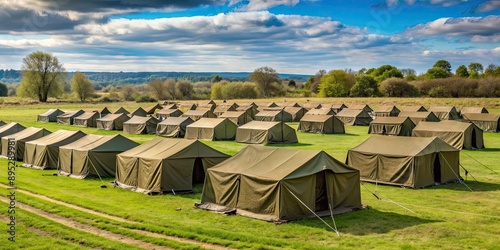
43, 76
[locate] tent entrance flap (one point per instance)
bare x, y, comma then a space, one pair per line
474, 140
198, 171
437, 170
321, 193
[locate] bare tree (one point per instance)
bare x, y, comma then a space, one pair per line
184, 88
128, 92
158, 89
170, 87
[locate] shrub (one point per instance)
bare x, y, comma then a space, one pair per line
145, 98
397, 87
108, 99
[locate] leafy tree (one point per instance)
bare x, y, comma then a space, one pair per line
264, 77
365, 86
476, 67
170, 87
158, 89
462, 71
335, 84
128, 92
435, 73
443, 64
81, 86
492, 70
184, 88
292, 84
362, 71
216, 78
42, 76
396, 87
385, 71
3, 90
408, 72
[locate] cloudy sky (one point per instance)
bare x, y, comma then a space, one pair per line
291, 36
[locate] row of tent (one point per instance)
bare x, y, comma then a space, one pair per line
260, 182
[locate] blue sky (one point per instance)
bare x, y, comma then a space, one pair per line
292, 36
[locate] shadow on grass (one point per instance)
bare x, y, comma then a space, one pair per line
476, 186
289, 145
368, 221
485, 150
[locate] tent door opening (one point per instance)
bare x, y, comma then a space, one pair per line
321, 193
474, 144
198, 171
437, 169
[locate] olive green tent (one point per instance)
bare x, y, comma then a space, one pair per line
386, 110
103, 112
273, 116
205, 103
457, 134
266, 105
112, 121
43, 153
413, 109
238, 117
321, 124
398, 126
140, 125
50, 115
206, 107
169, 106
296, 112
214, 129
470, 110
2, 123
222, 108
152, 109
288, 104
279, 184
445, 112
249, 109
198, 114
487, 122
311, 105
9, 129
321, 111
417, 117
405, 161
121, 110
138, 112
364, 107
259, 132
92, 155
354, 117
21, 138
173, 127
165, 165
336, 107
165, 113
68, 116
87, 119
186, 106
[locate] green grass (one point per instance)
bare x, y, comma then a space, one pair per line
444, 217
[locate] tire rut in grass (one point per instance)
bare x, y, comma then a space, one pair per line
86, 228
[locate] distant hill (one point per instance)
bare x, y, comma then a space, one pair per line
107, 78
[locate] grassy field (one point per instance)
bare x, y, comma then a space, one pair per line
440, 217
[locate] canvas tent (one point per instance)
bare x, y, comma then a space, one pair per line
140, 125
477, 110
87, 119
92, 155
321, 111
165, 113
103, 112
311, 105
445, 112
222, 108
457, 134
417, 117
151, 109
9, 129
121, 110
43, 153
21, 137
414, 109
486, 122
68, 116
296, 112
398, 126
364, 107
186, 106
259, 132
386, 110
354, 117
173, 127
198, 114
336, 107
169, 106
288, 104
214, 129
249, 109
2, 123
405, 161
321, 124
279, 184
112, 121
273, 116
204, 107
50, 116
238, 117
138, 112
165, 165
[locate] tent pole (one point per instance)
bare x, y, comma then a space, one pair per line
458, 177
102, 186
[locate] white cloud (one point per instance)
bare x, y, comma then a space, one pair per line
457, 27
255, 5
488, 6
445, 3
